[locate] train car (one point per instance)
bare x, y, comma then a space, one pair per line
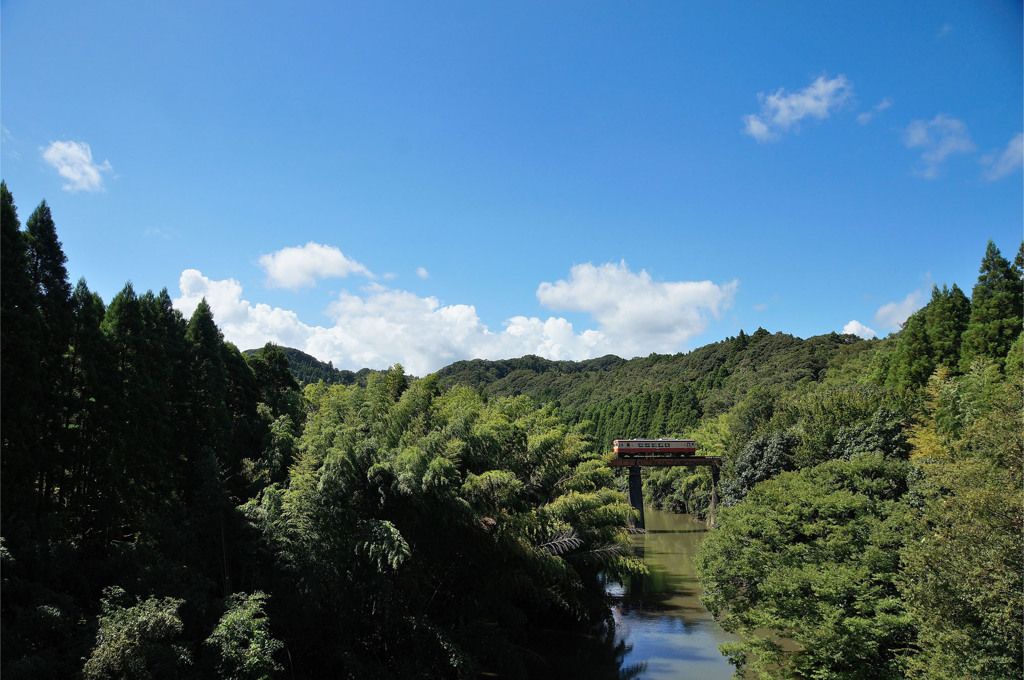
654, 448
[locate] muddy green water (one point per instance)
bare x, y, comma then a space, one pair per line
667, 632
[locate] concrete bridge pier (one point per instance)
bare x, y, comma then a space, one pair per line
636, 490
636, 495
714, 496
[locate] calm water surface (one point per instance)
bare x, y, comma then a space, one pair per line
660, 616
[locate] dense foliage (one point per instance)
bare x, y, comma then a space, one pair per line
171, 507
811, 557
705, 382
877, 527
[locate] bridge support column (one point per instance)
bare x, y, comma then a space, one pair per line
714, 496
636, 495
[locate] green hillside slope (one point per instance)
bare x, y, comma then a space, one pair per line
308, 369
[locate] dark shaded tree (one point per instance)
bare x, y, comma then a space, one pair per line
22, 389
762, 459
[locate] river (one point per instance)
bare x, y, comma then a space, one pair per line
661, 631
667, 633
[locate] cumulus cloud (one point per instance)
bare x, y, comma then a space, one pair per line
860, 330
73, 160
1001, 164
628, 305
891, 316
867, 116
301, 266
940, 138
422, 273
782, 111
243, 323
378, 326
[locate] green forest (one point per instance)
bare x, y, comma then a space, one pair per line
173, 507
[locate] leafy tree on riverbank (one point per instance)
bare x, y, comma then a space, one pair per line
812, 557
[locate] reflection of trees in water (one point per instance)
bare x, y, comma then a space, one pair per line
664, 601
583, 654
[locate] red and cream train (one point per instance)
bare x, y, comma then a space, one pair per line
648, 448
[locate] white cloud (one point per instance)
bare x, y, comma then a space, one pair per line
422, 273
380, 326
1002, 164
781, 111
635, 313
243, 323
860, 330
73, 160
867, 116
758, 129
301, 266
940, 137
891, 316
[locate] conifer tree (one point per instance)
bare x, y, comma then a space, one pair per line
91, 395
47, 266
946, 319
53, 295
208, 374
996, 310
21, 384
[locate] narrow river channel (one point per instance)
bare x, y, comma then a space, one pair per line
667, 631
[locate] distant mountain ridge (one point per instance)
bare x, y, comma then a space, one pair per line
720, 372
307, 369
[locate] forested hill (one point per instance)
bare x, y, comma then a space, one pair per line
308, 369
683, 388
720, 371
657, 395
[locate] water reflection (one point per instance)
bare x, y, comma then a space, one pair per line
658, 629
660, 618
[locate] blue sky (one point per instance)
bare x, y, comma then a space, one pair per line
426, 182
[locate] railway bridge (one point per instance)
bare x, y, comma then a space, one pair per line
639, 453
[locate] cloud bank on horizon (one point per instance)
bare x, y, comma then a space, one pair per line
379, 326
632, 313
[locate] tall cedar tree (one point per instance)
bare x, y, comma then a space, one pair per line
996, 310
21, 385
946, 319
50, 276
913, 360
